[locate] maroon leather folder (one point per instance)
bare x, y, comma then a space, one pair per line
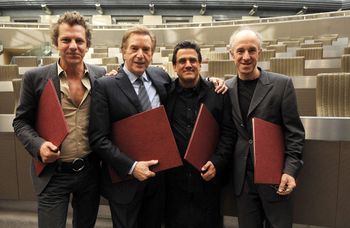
50, 123
268, 152
146, 136
204, 138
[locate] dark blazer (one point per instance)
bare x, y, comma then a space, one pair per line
33, 84
219, 106
114, 98
274, 100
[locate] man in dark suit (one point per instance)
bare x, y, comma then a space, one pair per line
269, 96
72, 168
192, 197
136, 202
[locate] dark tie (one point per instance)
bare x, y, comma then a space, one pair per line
143, 96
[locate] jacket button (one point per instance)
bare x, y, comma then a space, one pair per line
250, 141
242, 125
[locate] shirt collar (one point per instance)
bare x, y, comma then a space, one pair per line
60, 70
132, 77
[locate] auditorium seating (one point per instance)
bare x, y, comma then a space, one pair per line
46, 60
213, 55
291, 66
333, 94
347, 50
219, 68
8, 72
277, 47
345, 63
266, 55
311, 45
310, 53
25, 61
99, 55
109, 60
291, 43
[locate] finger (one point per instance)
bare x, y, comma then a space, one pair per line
205, 167
151, 162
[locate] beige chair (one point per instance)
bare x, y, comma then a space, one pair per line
219, 68
100, 50
277, 47
345, 63
292, 43
324, 41
16, 83
217, 55
266, 55
46, 60
311, 45
333, 94
8, 72
310, 53
99, 55
25, 61
109, 60
166, 52
112, 66
291, 66
347, 50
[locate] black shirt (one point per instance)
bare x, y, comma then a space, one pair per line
245, 94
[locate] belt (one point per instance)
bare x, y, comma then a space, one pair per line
75, 166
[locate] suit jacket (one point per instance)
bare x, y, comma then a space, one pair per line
219, 106
274, 100
114, 98
33, 85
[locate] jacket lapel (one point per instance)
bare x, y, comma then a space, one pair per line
262, 88
126, 87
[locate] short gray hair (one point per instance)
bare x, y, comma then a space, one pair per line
235, 33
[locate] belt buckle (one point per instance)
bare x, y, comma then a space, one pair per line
78, 164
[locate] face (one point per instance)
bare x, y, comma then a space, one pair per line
71, 44
187, 67
137, 53
245, 53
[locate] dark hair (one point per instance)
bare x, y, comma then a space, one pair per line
186, 44
141, 30
70, 18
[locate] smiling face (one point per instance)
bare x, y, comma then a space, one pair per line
187, 67
137, 53
71, 44
245, 51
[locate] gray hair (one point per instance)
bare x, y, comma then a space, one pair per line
235, 33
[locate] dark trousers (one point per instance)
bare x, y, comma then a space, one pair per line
54, 200
259, 206
145, 210
187, 209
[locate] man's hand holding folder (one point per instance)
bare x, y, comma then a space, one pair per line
50, 125
146, 138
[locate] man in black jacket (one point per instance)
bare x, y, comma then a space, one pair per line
192, 197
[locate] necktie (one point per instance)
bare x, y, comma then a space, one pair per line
143, 96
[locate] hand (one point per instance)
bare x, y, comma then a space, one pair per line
112, 72
219, 84
208, 171
287, 185
142, 170
49, 152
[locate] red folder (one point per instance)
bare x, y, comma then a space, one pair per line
146, 136
50, 123
204, 138
268, 152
